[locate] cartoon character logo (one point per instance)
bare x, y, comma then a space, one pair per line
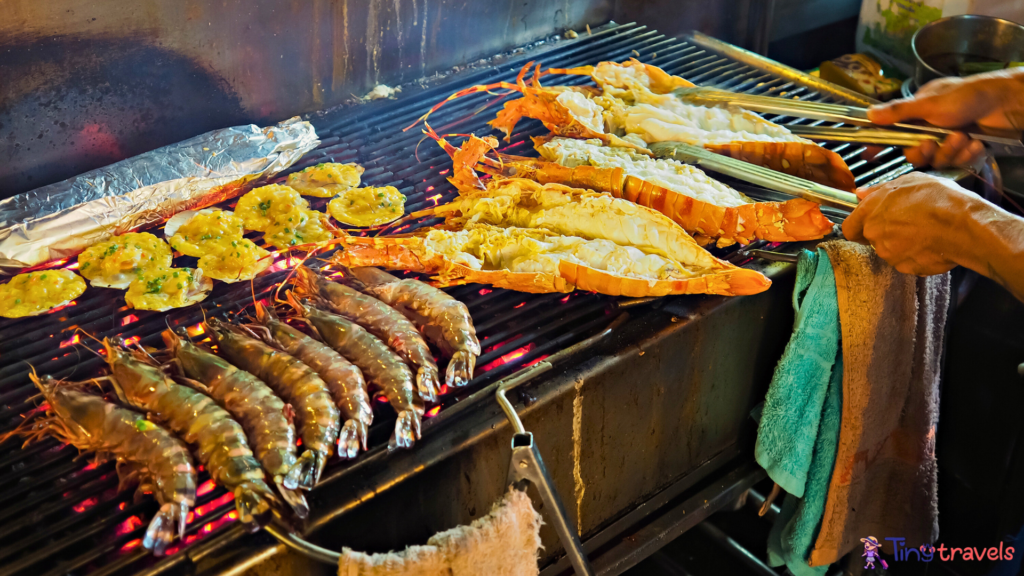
870, 554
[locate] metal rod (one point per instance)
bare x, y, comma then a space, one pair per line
752, 562
527, 465
303, 547
780, 70
754, 174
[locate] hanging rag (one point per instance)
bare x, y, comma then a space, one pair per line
799, 427
884, 482
503, 543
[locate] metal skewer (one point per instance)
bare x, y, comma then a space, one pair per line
1002, 142
861, 135
754, 174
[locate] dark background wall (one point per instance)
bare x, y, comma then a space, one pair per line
84, 83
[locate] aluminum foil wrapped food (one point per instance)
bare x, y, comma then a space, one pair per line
62, 219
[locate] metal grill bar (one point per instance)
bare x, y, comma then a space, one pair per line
41, 486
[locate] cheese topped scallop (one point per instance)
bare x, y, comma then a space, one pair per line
38, 292
161, 289
118, 261
259, 208
326, 180
232, 260
370, 206
201, 228
297, 227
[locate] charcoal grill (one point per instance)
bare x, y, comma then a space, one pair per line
646, 432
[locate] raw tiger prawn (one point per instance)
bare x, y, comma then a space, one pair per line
145, 453
343, 378
315, 411
443, 319
788, 221
264, 417
633, 106
383, 368
380, 319
218, 439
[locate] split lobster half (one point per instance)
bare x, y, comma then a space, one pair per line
531, 237
633, 106
744, 222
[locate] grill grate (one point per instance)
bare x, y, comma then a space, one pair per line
62, 515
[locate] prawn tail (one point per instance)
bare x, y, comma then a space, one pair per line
303, 474
255, 504
460, 368
352, 437
427, 383
293, 498
408, 430
169, 520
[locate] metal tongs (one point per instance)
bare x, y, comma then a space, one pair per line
690, 154
1001, 143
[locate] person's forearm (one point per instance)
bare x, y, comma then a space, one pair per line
997, 247
1010, 101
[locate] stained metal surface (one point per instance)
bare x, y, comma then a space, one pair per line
669, 394
89, 82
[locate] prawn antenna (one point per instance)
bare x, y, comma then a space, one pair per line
519, 86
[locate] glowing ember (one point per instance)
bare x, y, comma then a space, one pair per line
444, 388
129, 319
72, 266
85, 504
382, 400
196, 330
566, 299
72, 303
214, 504
131, 545
535, 360
485, 291
433, 412
445, 171
430, 189
130, 524
506, 358
520, 305
70, 341
132, 341
91, 466
285, 263
434, 198
205, 488
225, 519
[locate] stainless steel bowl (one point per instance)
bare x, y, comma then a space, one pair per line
942, 45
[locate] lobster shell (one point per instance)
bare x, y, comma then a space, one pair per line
409, 253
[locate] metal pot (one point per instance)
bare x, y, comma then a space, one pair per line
939, 47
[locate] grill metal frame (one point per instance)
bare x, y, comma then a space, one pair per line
41, 484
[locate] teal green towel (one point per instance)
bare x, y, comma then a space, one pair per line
798, 434
793, 406
796, 528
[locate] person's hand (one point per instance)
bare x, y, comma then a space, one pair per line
913, 223
991, 100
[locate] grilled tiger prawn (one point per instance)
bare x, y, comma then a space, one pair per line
443, 319
293, 381
143, 451
725, 215
380, 319
263, 415
633, 107
218, 439
382, 366
343, 378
